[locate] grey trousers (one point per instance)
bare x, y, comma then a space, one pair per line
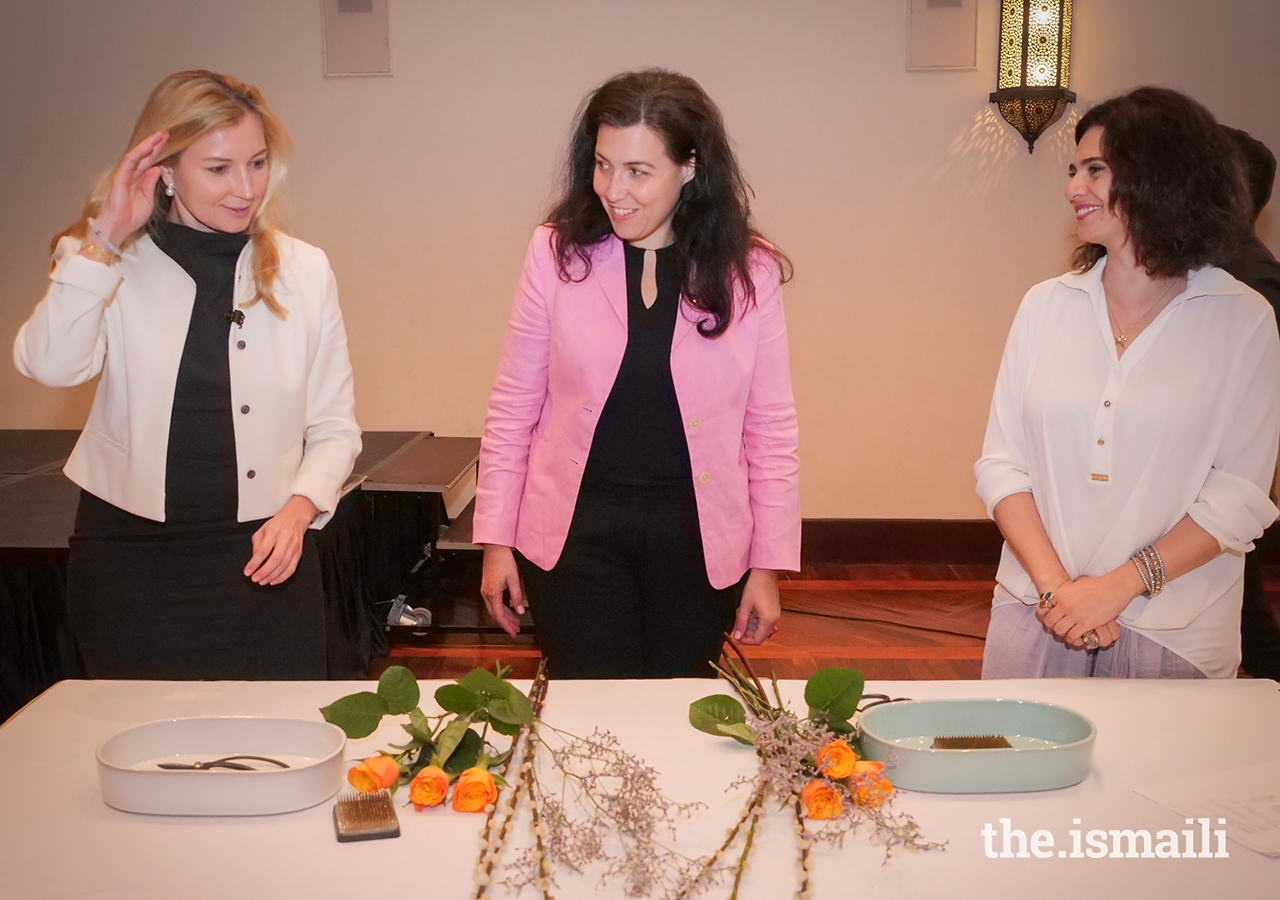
1019, 647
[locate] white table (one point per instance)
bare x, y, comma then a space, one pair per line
58, 839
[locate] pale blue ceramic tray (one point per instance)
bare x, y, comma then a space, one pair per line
1052, 745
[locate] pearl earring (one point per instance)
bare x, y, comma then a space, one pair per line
168, 189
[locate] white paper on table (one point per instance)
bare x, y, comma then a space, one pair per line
1248, 798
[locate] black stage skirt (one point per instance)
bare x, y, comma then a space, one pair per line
160, 600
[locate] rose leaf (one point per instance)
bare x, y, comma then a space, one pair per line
399, 689
742, 733
418, 727
357, 714
709, 713
455, 698
482, 681
834, 693
449, 739
465, 754
513, 709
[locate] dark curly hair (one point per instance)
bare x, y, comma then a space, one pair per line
1175, 180
714, 234
1258, 167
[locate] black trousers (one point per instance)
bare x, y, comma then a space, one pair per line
629, 596
1259, 632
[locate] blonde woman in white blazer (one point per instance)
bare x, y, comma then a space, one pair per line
223, 426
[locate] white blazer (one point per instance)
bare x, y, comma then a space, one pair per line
291, 385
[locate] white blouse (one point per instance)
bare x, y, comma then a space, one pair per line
1116, 450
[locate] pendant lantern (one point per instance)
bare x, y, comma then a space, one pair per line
1035, 65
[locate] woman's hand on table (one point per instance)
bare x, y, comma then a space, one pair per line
277, 545
1084, 605
498, 576
131, 197
760, 609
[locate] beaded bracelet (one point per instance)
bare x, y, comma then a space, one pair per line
1144, 573
1153, 556
1156, 567
1150, 567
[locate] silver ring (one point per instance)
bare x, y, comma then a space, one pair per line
1091, 641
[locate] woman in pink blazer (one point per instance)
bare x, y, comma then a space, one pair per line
639, 482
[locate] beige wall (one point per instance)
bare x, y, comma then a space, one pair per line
914, 215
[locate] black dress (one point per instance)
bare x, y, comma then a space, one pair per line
1259, 630
169, 600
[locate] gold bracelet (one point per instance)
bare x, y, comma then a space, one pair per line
1048, 595
93, 251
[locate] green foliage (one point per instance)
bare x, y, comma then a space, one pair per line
841, 729
447, 740
356, 714
399, 690
456, 699
742, 733
421, 759
465, 755
482, 681
711, 714
419, 727
504, 728
833, 695
511, 708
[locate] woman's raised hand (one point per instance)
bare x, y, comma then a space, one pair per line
131, 198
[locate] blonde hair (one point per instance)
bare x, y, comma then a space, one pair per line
189, 105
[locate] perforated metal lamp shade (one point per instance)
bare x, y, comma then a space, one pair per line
1035, 65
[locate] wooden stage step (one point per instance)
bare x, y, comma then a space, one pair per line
894, 622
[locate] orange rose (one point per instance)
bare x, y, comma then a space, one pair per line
474, 791
374, 774
428, 788
821, 800
869, 786
836, 759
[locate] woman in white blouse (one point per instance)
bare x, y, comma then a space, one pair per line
1133, 431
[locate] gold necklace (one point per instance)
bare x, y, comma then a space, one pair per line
1122, 339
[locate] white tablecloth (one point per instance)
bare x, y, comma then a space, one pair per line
58, 839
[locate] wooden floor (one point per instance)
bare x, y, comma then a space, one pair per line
891, 622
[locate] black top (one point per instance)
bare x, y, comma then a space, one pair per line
201, 484
639, 447
1256, 267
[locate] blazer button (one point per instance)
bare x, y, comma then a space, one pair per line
704, 477
245, 408
239, 345
695, 423
250, 473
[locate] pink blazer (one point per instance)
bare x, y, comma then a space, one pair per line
562, 352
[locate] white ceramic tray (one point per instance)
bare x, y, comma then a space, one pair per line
131, 780
1052, 746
